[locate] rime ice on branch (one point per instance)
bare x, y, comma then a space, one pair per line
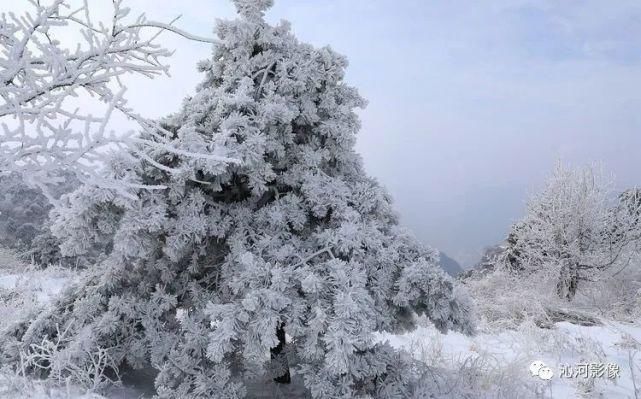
42, 131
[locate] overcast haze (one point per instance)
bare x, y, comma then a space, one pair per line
470, 102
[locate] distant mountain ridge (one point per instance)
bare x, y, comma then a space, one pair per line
485, 265
452, 267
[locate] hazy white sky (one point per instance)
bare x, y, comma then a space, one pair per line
470, 102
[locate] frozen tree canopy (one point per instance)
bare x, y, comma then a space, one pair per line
290, 259
572, 226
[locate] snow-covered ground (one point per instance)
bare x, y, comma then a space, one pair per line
43, 286
494, 364
504, 358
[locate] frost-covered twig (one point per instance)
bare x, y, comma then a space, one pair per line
171, 28
85, 367
42, 131
326, 250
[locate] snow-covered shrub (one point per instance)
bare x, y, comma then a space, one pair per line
615, 296
26, 289
478, 375
64, 362
13, 305
533, 340
10, 261
503, 300
292, 241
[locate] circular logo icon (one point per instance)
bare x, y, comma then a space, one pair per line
539, 369
535, 367
545, 373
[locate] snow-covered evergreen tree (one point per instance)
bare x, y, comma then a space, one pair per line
23, 211
24, 222
290, 260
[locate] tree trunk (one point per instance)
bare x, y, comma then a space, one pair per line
279, 356
568, 281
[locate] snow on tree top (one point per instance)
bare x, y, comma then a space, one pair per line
253, 9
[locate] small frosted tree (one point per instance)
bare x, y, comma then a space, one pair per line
290, 260
572, 227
